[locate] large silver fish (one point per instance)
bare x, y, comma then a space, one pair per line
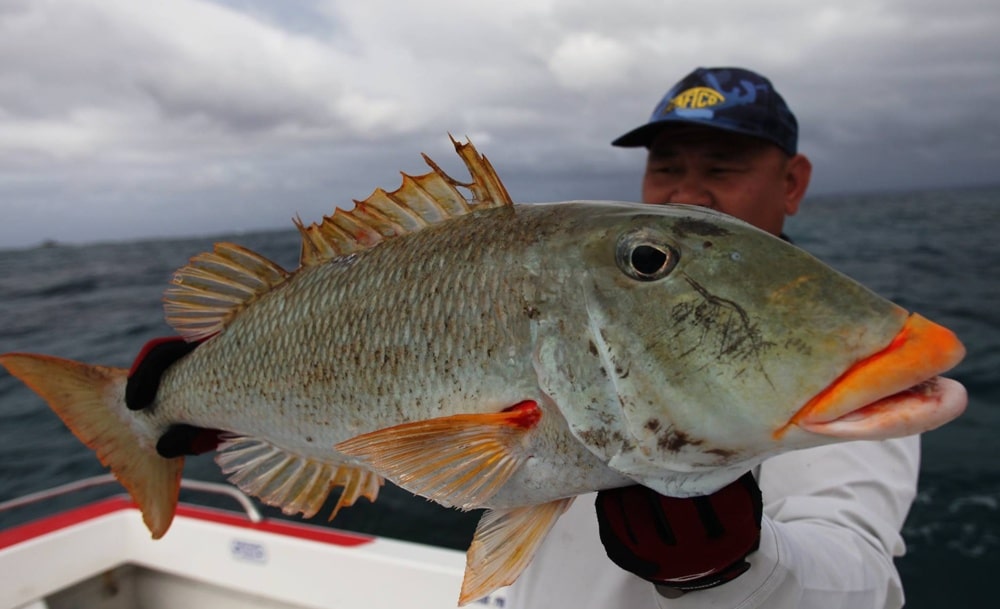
486, 354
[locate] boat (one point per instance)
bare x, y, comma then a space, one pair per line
99, 555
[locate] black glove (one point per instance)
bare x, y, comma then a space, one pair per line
684, 544
153, 360
140, 392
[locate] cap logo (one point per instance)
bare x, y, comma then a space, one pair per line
730, 99
694, 98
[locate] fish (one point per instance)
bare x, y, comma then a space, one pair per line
489, 354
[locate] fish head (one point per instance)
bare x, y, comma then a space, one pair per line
720, 345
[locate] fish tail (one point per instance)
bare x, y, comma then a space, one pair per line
90, 400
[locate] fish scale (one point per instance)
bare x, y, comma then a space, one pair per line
455, 322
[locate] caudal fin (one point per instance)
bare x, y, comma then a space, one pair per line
91, 402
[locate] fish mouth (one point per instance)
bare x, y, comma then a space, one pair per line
893, 393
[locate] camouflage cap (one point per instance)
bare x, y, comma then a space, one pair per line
730, 99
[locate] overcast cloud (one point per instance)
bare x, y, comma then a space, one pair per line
123, 119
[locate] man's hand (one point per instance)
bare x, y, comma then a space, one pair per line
684, 544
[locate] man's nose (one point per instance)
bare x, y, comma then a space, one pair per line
691, 191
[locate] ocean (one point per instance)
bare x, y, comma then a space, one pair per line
934, 252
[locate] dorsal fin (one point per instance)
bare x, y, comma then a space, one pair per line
420, 201
214, 286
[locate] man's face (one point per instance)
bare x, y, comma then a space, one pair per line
742, 176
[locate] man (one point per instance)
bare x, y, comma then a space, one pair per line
827, 527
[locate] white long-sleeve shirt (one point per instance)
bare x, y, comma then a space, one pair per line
831, 527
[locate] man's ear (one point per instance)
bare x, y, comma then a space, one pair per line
797, 174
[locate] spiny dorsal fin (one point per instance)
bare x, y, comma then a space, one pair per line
214, 286
421, 201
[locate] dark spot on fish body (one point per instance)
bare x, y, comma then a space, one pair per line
600, 437
592, 348
531, 312
680, 313
673, 440
653, 425
799, 346
694, 226
605, 417
723, 453
594, 437
722, 322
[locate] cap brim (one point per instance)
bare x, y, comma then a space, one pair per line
640, 136
643, 136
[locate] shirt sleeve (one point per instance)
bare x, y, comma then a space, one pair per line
831, 527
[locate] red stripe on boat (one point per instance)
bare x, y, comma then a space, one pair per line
97, 509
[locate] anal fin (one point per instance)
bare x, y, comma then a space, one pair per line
457, 461
504, 544
292, 482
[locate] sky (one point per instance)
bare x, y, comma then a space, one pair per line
123, 119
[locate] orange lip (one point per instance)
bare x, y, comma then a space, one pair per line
920, 351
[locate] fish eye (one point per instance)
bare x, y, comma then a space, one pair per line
644, 259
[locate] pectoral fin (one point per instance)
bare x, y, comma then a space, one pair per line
457, 461
504, 544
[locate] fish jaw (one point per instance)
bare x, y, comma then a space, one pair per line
893, 393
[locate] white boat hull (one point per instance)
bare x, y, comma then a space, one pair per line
101, 555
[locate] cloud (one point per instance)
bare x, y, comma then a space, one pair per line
586, 60
121, 119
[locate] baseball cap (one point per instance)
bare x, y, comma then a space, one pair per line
730, 99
